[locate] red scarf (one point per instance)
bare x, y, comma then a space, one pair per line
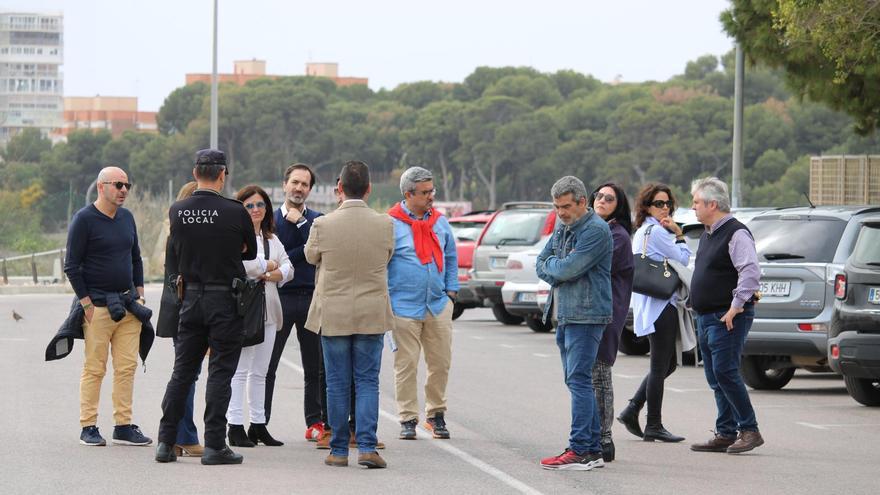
424, 237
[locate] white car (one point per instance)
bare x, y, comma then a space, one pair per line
520, 290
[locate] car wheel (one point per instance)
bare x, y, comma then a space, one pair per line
758, 375
864, 390
503, 316
457, 310
535, 323
631, 345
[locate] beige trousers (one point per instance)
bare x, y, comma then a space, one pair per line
434, 336
122, 339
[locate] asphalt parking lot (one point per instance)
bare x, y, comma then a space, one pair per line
508, 408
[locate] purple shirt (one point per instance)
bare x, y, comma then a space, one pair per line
745, 260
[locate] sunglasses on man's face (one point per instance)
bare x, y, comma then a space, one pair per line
258, 204
119, 184
608, 198
661, 204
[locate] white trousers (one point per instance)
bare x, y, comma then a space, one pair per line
251, 372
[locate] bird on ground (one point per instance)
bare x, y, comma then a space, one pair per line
16, 316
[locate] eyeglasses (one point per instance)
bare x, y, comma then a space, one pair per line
608, 198
258, 204
660, 204
425, 193
119, 184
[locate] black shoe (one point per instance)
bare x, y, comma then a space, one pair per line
91, 437
629, 418
437, 426
238, 438
608, 451
213, 457
165, 453
659, 433
408, 429
130, 435
258, 433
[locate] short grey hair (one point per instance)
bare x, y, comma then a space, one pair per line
569, 184
413, 176
712, 189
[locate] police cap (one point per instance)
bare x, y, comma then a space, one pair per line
210, 157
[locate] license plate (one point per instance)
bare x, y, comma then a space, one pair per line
528, 297
775, 288
498, 262
874, 295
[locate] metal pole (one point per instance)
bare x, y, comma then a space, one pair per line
736, 196
214, 85
5, 273
34, 269
89, 193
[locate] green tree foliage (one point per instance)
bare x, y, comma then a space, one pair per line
27, 146
181, 107
828, 49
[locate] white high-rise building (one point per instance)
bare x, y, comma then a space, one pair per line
31, 82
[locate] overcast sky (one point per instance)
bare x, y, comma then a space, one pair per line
144, 48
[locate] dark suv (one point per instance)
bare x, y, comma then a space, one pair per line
854, 337
801, 251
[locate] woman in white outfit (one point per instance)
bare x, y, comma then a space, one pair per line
254, 361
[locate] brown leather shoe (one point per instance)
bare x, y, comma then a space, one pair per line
746, 441
716, 444
372, 460
195, 450
338, 461
324, 440
353, 444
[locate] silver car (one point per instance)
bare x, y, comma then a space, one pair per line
520, 290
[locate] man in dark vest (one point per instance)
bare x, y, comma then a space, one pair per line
723, 294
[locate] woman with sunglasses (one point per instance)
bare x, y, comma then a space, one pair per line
610, 203
254, 361
656, 318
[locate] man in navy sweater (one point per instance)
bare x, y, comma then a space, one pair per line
103, 264
293, 222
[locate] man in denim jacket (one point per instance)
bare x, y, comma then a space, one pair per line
576, 262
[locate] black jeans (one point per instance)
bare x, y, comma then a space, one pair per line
207, 320
295, 308
662, 364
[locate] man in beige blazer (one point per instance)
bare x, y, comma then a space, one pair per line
351, 310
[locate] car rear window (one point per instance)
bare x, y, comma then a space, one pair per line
797, 238
867, 251
515, 227
467, 230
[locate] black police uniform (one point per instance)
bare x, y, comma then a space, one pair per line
208, 233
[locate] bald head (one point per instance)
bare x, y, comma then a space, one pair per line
112, 174
113, 188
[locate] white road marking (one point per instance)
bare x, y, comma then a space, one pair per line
464, 456
538, 354
811, 425
476, 337
511, 346
627, 377
13, 339
686, 390
828, 427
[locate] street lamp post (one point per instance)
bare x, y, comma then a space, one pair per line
214, 144
736, 189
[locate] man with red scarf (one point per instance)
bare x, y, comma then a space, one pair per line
423, 283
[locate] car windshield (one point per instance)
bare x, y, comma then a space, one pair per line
515, 227
867, 251
467, 231
796, 238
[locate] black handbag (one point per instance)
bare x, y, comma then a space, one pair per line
252, 307
653, 278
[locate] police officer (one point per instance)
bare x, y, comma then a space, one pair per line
210, 236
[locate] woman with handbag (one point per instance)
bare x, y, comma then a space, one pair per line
609, 201
657, 240
274, 269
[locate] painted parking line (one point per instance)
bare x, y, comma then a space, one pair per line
512, 346
686, 390
538, 354
627, 377
464, 456
829, 426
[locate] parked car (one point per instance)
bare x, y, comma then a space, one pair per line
467, 228
513, 228
854, 336
801, 251
520, 289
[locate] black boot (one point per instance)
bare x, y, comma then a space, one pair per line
629, 418
238, 438
258, 433
608, 451
659, 433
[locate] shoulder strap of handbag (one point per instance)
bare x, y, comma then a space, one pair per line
645, 241
266, 247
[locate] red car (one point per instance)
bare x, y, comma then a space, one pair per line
467, 229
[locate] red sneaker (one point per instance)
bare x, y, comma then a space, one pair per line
571, 461
315, 431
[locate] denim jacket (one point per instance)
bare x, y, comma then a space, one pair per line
576, 262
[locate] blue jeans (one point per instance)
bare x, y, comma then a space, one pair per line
357, 357
722, 350
578, 345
